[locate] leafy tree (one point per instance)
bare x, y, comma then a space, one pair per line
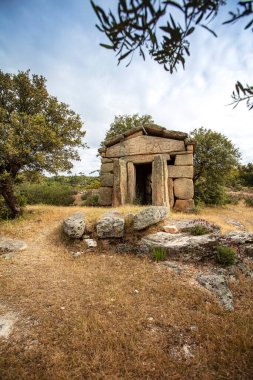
163, 28
246, 174
214, 159
122, 123
37, 132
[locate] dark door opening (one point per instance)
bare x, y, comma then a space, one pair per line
144, 183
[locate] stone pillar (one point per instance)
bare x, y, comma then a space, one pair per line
171, 192
120, 183
131, 182
159, 182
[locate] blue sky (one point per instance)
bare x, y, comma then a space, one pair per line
58, 39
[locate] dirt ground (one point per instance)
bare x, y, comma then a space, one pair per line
113, 316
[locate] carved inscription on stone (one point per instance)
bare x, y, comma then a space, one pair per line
144, 145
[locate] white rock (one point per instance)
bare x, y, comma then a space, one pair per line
11, 245
111, 225
149, 216
74, 225
91, 243
217, 284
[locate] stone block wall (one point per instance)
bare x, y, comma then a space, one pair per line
180, 182
106, 182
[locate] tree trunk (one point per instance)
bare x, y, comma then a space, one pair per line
6, 189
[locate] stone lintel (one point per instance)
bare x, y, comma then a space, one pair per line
141, 145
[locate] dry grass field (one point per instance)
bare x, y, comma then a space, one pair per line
114, 316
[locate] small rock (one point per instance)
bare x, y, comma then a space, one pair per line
91, 243
76, 254
149, 216
11, 245
217, 284
7, 322
74, 226
240, 237
173, 266
170, 229
136, 291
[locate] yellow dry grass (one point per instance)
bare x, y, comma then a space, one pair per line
109, 316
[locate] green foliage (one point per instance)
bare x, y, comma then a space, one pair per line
91, 200
197, 230
44, 193
214, 159
158, 253
163, 28
246, 174
123, 123
37, 131
225, 255
249, 202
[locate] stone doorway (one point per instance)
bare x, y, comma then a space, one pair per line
144, 183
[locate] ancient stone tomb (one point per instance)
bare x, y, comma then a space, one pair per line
148, 165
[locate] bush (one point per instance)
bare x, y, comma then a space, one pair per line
55, 194
197, 230
248, 202
225, 255
91, 200
158, 253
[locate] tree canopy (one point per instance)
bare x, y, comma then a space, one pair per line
123, 123
37, 131
163, 29
214, 159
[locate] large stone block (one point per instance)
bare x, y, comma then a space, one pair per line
184, 205
184, 160
74, 225
105, 196
106, 160
183, 188
111, 225
149, 216
144, 145
106, 168
180, 171
106, 179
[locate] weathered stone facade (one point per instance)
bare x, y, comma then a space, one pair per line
148, 165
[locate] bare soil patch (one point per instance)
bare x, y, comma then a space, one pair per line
114, 316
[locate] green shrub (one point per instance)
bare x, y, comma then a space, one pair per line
55, 194
248, 202
91, 200
197, 230
158, 253
225, 255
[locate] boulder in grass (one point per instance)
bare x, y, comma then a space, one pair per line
149, 216
11, 245
111, 225
74, 225
217, 284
